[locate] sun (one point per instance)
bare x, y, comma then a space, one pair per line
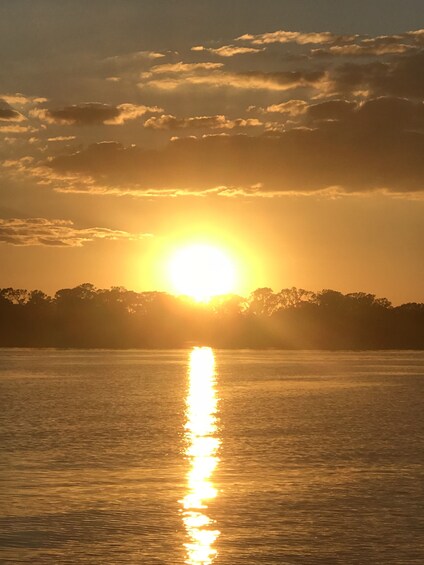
201, 272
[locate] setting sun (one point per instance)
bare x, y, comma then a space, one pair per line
202, 271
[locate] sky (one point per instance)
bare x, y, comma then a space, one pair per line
289, 133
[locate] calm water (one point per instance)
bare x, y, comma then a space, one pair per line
204, 457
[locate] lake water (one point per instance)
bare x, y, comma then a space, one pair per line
204, 457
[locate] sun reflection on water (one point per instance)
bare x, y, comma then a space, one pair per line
202, 448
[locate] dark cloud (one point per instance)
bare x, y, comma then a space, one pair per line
62, 233
330, 110
93, 113
285, 78
402, 76
391, 113
356, 124
85, 114
9, 114
368, 149
393, 66
384, 113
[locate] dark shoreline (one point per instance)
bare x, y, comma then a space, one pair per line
293, 319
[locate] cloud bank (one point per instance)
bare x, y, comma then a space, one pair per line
357, 148
321, 110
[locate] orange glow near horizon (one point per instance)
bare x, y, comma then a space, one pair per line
202, 447
202, 271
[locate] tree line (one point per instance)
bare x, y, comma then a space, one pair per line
87, 317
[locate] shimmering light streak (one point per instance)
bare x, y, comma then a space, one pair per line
202, 448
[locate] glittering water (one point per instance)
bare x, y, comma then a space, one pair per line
202, 457
203, 442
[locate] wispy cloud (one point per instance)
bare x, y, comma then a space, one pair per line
61, 138
15, 129
381, 45
58, 233
291, 107
21, 100
171, 76
330, 45
228, 50
170, 122
135, 57
299, 37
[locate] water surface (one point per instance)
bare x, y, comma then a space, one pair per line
205, 457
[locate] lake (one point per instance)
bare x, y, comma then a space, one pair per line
201, 457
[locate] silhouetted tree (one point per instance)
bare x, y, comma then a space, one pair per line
86, 317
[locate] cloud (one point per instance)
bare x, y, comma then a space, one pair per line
365, 50
129, 112
174, 75
8, 113
93, 113
171, 75
298, 37
19, 99
135, 57
228, 50
128, 65
12, 128
326, 44
381, 45
83, 114
357, 148
62, 138
401, 76
385, 113
332, 110
283, 80
180, 67
58, 233
11, 120
291, 107
352, 119
170, 122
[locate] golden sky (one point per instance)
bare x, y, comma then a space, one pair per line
290, 134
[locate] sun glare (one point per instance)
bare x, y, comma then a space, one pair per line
201, 271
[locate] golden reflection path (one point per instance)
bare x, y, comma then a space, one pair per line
201, 451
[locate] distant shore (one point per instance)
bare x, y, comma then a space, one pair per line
85, 317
